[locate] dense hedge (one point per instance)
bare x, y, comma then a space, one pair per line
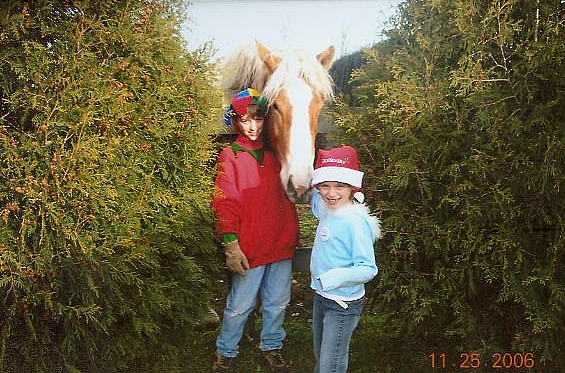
460, 129
105, 228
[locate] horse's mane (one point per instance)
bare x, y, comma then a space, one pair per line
243, 68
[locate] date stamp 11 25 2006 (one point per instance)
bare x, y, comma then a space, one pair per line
473, 360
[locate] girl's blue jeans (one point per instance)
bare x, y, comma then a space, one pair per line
272, 283
332, 328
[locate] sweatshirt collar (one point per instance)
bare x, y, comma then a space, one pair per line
255, 148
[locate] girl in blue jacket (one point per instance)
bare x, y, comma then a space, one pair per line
343, 258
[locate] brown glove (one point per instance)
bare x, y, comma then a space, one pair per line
236, 260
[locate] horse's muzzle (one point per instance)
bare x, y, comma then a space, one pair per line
296, 194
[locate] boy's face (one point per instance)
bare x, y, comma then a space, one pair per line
335, 194
251, 126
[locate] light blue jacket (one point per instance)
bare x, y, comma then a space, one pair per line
343, 258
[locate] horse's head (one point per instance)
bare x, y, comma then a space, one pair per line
297, 86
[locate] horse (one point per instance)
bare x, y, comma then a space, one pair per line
296, 85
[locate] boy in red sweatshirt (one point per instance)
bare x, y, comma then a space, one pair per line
258, 226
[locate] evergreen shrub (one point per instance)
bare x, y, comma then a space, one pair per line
105, 156
460, 130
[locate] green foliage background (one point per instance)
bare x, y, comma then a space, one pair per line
460, 129
105, 158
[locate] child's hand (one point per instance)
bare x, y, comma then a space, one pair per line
236, 260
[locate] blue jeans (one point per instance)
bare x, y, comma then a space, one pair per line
332, 328
272, 283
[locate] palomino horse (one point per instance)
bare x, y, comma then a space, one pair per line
296, 86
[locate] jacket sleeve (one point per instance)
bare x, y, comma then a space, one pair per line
315, 202
226, 202
363, 268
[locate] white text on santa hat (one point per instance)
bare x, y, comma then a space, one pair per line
334, 160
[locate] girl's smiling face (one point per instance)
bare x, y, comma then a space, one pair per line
335, 194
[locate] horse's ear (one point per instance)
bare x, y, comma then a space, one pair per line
267, 57
326, 58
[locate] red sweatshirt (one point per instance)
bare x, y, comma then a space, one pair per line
249, 200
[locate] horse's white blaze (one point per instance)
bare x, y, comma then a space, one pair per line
300, 159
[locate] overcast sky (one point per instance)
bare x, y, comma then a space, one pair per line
348, 25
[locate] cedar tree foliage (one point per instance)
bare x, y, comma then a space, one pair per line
105, 182
460, 125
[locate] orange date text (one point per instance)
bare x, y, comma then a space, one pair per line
474, 360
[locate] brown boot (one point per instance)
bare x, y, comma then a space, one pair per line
223, 364
275, 361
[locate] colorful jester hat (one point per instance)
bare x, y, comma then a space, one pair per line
241, 101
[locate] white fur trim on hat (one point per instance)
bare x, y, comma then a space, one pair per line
339, 174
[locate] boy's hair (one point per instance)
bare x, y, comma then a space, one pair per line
254, 111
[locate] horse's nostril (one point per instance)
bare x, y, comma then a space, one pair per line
300, 191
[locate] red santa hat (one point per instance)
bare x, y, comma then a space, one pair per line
338, 164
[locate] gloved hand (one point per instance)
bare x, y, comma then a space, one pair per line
236, 260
